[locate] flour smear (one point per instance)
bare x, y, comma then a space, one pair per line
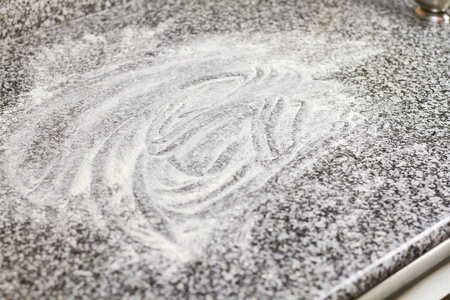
167, 144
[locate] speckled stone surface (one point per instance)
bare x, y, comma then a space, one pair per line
360, 210
27, 16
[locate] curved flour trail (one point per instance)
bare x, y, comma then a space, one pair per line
167, 148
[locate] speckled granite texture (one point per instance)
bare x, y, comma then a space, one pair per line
330, 223
28, 16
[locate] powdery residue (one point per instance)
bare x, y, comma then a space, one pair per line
168, 149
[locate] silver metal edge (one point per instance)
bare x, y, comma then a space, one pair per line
410, 274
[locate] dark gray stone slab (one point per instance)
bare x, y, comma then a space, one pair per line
335, 174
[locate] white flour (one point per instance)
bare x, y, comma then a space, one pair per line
168, 148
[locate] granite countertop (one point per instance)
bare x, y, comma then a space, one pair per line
219, 149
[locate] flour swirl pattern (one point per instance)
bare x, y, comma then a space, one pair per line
167, 147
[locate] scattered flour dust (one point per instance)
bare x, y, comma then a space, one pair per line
167, 144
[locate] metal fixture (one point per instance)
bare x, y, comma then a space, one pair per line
433, 10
